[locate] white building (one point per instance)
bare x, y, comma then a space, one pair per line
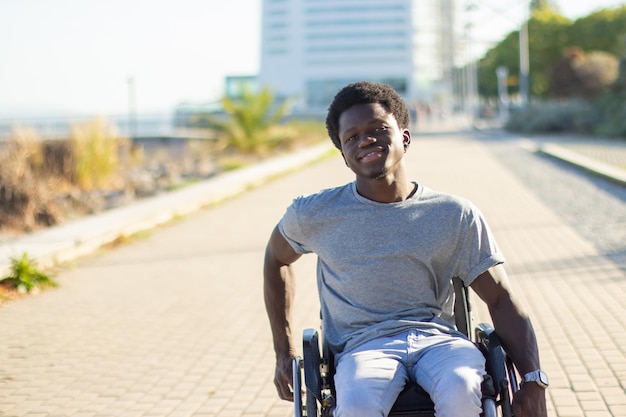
311, 48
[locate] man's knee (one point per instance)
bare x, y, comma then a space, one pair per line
464, 381
458, 393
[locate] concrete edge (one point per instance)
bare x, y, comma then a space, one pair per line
66, 242
576, 159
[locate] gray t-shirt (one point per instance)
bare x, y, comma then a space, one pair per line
384, 268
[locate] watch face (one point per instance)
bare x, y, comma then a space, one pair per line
543, 378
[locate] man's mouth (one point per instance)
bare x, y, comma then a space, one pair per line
371, 155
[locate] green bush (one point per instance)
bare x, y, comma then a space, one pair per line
613, 111
568, 116
25, 276
250, 122
605, 116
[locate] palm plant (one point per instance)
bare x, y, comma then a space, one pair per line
250, 121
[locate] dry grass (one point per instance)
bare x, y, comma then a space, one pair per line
43, 183
34, 172
96, 158
26, 189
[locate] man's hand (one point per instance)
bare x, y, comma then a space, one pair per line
530, 401
283, 377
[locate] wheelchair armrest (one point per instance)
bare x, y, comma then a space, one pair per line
312, 362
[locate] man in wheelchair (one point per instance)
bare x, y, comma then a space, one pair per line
387, 251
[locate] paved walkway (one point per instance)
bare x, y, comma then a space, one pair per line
173, 323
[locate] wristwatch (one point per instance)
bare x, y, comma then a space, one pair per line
537, 376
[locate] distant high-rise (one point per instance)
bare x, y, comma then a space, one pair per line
311, 48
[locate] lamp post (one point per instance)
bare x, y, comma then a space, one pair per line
132, 110
503, 95
470, 70
524, 61
524, 54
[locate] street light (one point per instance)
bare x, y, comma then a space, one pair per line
524, 55
132, 108
524, 61
503, 95
469, 77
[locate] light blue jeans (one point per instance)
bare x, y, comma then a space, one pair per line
450, 368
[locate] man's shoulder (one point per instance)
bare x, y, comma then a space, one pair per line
443, 197
447, 204
325, 196
320, 206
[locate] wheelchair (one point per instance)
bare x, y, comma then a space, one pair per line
317, 397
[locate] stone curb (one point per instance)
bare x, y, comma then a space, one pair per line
69, 241
576, 159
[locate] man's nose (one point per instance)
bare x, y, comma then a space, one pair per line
366, 139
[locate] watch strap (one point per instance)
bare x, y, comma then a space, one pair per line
538, 376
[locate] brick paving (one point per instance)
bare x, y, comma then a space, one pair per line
173, 323
609, 151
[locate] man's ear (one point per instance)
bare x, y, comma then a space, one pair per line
406, 134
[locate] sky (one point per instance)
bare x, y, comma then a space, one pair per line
90, 57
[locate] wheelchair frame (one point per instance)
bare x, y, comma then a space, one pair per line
317, 399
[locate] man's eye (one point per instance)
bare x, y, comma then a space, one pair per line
380, 129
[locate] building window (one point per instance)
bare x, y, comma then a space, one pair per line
320, 93
348, 49
374, 21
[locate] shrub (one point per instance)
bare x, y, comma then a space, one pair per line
580, 74
58, 159
249, 123
25, 276
26, 193
95, 149
613, 111
569, 116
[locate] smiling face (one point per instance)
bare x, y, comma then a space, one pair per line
372, 144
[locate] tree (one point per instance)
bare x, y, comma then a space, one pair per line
603, 30
537, 5
583, 75
597, 72
550, 34
564, 80
506, 54
619, 86
548, 37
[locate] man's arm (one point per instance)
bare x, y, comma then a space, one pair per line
515, 330
279, 289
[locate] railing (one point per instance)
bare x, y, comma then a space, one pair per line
158, 125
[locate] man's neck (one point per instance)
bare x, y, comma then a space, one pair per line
384, 191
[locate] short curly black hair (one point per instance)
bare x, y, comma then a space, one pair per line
363, 92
